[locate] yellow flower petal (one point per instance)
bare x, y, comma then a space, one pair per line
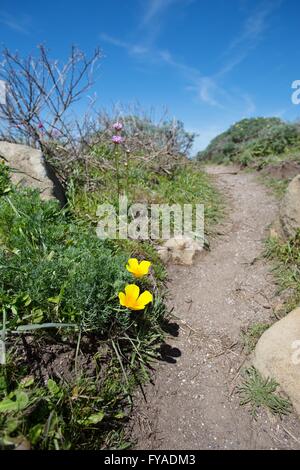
144, 299
132, 265
137, 307
144, 267
122, 299
132, 292
136, 268
131, 298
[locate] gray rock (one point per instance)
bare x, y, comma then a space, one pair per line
179, 250
290, 208
29, 168
277, 355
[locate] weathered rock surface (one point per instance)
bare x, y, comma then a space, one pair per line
179, 250
30, 169
290, 208
277, 355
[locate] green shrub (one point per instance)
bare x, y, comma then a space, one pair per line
286, 256
4, 179
53, 269
252, 141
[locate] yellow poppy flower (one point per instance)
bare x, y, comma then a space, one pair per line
136, 268
132, 298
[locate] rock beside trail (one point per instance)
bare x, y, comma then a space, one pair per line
29, 168
277, 355
290, 209
179, 250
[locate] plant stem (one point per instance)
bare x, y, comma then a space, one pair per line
117, 168
127, 172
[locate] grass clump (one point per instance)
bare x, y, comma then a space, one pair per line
286, 257
185, 184
257, 392
277, 185
251, 336
4, 179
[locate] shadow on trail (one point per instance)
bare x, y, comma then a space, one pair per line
167, 352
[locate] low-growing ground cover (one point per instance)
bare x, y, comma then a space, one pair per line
74, 355
286, 257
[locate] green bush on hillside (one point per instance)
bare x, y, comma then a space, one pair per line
253, 141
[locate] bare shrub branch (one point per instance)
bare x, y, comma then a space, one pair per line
39, 111
40, 94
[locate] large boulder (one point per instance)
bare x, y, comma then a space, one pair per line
277, 355
29, 168
290, 209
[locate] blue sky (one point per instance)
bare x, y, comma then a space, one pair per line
210, 63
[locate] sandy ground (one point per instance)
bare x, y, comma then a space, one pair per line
193, 403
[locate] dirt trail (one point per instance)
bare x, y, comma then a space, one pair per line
193, 404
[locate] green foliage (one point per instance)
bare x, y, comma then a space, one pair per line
61, 415
278, 186
256, 391
183, 185
4, 179
87, 412
252, 335
55, 270
253, 142
286, 256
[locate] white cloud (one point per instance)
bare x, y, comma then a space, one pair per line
18, 24
155, 8
250, 106
209, 90
250, 36
257, 22
134, 49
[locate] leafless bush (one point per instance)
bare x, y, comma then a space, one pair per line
39, 111
159, 143
40, 94
147, 136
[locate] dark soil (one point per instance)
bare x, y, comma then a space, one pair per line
55, 357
